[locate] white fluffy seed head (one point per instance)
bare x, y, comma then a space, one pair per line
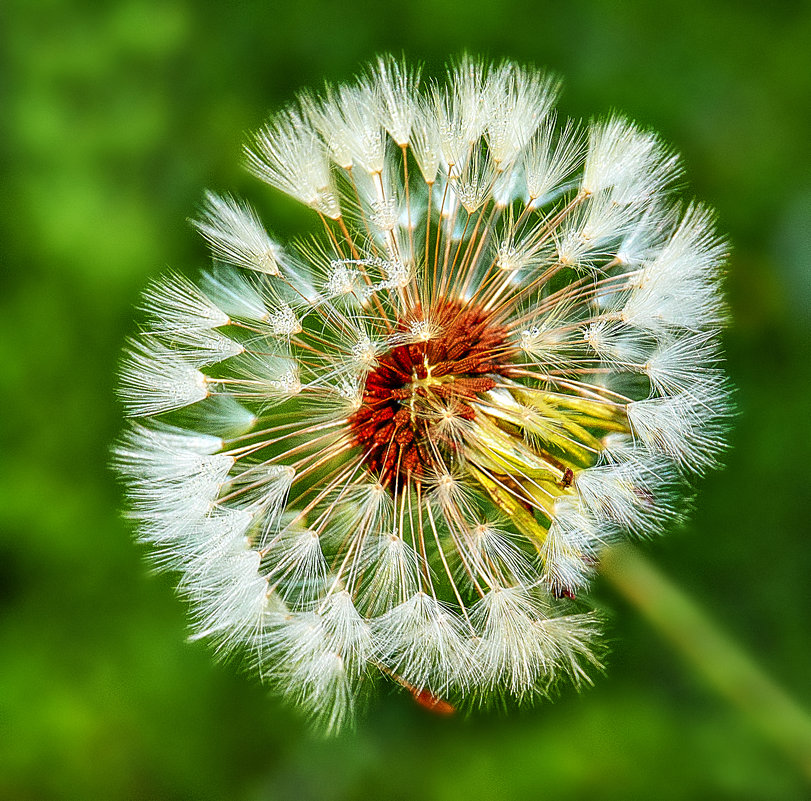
347, 120
283, 321
395, 446
235, 293
678, 285
393, 572
461, 112
229, 597
572, 545
297, 568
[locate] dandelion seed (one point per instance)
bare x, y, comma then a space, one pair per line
236, 236
396, 447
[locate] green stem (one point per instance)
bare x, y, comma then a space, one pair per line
723, 664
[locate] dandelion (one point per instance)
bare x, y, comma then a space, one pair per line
397, 448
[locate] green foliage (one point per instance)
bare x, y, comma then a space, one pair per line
116, 116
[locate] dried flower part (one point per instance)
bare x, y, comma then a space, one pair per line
397, 448
414, 382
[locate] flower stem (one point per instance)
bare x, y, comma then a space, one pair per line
722, 663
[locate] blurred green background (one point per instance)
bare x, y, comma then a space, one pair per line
115, 117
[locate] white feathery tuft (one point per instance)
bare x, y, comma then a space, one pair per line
235, 234
687, 427
629, 162
173, 303
155, 379
424, 642
395, 89
203, 347
684, 364
288, 154
635, 494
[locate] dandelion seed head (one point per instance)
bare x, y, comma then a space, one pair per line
397, 447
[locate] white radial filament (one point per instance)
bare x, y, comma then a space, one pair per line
396, 447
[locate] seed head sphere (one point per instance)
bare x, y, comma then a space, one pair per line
394, 449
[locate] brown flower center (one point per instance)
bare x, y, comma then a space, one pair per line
414, 385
